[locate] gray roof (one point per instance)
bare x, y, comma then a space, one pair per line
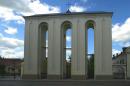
72, 13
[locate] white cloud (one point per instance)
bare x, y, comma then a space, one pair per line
19, 5
126, 44
11, 53
68, 54
11, 30
11, 47
11, 42
15, 9
7, 14
68, 38
47, 52
115, 51
42, 8
121, 32
29, 6
76, 8
46, 43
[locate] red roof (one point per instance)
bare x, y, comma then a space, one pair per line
10, 61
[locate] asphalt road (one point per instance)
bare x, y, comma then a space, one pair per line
64, 83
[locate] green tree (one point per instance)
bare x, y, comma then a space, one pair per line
68, 68
2, 67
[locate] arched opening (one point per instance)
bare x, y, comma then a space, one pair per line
66, 49
90, 48
43, 49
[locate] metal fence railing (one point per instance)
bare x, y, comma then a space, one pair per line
119, 71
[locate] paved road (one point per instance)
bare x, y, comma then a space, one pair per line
63, 83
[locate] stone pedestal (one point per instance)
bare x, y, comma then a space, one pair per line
128, 63
30, 76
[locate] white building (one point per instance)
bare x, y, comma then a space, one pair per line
56, 24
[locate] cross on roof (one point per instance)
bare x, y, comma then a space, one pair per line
32, 0
68, 3
68, 6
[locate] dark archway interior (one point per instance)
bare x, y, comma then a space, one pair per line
43, 46
66, 28
90, 48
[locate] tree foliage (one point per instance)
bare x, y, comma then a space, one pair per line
2, 67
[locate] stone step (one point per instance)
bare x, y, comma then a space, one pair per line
64, 83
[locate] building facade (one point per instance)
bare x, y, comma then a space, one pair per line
56, 24
120, 58
11, 66
121, 64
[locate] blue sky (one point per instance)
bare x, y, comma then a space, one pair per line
12, 22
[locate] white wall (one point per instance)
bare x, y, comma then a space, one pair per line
103, 44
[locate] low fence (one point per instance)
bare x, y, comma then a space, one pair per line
119, 71
10, 77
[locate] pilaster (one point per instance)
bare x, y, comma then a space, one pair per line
78, 50
31, 66
128, 63
54, 59
103, 48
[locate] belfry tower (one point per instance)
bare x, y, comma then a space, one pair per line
36, 27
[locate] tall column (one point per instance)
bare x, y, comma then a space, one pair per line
54, 50
31, 69
103, 48
128, 63
78, 50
